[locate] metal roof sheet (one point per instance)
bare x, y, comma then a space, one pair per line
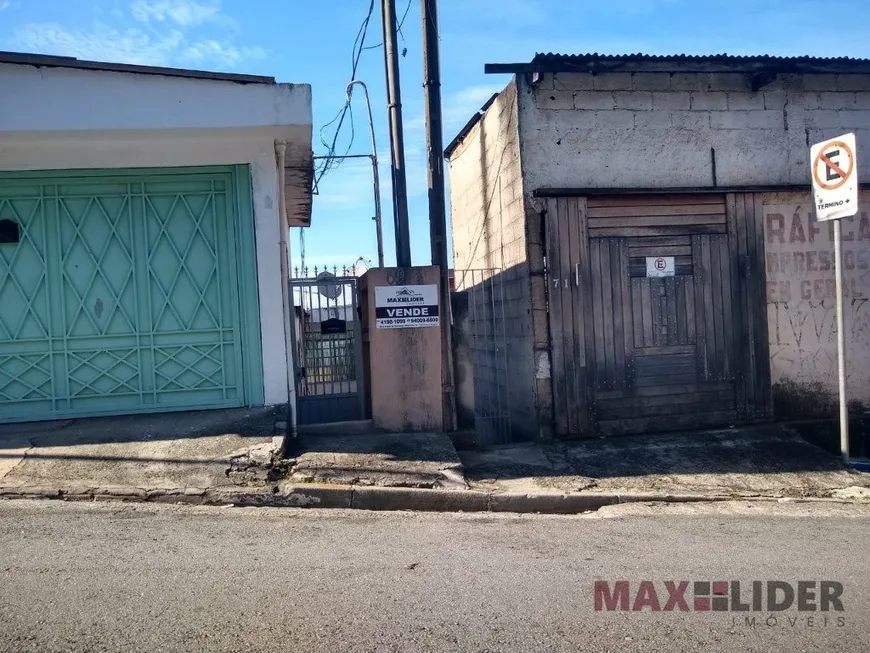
550, 62
52, 61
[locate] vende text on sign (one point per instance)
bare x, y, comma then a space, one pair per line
660, 266
835, 177
404, 307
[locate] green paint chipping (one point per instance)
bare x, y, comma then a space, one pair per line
128, 291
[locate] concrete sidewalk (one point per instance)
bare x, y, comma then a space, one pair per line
768, 460
415, 460
231, 457
165, 453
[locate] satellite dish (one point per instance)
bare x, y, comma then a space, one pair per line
328, 286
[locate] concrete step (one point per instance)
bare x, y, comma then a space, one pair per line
359, 426
414, 460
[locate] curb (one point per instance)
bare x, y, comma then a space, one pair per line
309, 495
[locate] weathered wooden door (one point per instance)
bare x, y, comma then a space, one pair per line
636, 353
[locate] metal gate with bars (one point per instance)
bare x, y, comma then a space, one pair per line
486, 327
329, 370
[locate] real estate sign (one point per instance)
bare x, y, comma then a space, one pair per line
404, 307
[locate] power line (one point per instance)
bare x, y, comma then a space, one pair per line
398, 28
358, 46
402, 21
435, 26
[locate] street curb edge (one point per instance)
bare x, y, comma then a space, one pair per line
376, 498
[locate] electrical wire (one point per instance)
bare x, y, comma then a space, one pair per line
331, 161
437, 31
398, 28
402, 21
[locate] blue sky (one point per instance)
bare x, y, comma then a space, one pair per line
303, 41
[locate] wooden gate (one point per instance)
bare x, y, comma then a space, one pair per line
634, 353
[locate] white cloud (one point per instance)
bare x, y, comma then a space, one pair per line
102, 43
457, 108
224, 54
350, 185
157, 35
461, 105
185, 13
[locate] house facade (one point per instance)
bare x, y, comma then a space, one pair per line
143, 261
585, 169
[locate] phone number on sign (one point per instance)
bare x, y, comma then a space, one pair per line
400, 322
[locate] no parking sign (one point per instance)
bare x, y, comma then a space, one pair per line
660, 266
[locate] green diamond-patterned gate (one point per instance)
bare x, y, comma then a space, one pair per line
127, 291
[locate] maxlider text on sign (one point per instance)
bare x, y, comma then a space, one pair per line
404, 307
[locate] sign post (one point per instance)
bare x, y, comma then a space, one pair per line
834, 170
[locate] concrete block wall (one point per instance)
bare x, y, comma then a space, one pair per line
664, 130
491, 263
661, 130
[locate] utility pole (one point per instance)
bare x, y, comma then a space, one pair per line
437, 204
397, 137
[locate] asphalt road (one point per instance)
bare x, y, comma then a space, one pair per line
129, 578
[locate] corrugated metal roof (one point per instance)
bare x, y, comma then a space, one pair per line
51, 61
724, 57
594, 62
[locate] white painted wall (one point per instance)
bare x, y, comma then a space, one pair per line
139, 150
656, 130
56, 118
62, 99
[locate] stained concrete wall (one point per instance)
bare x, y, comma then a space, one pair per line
801, 306
403, 366
656, 130
491, 261
662, 130
646, 130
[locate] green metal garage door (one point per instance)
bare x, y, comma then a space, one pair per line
127, 291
